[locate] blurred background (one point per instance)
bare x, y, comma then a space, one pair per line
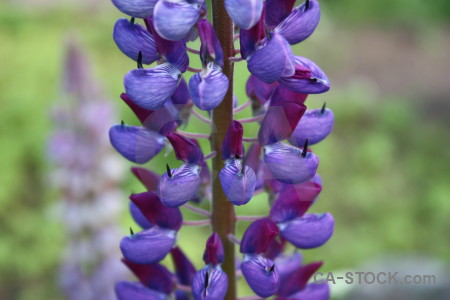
385, 168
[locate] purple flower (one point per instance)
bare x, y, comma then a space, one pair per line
208, 88
138, 217
210, 283
148, 246
210, 49
308, 231
277, 11
151, 88
315, 125
185, 149
238, 182
249, 39
300, 23
261, 275
289, 164
214, 253
232, 146
258, 236
137, 144
307, 79
133, 38
297, 281
173, 20
136, 291
136, 8
258, 90
244, 13
272, 60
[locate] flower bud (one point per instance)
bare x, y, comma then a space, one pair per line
261, 275
258, 236
186, 149
289, 164
277, 11
148, 246
154, 276
214, 253
300, 23
279, 122
136, 8
133, 38
138, 217
246, 13
315, 125
238, 182
210, 48
298, 279
309, 231
152, 208
272, 60
180, 186
293, 201
210, 283
173, 20
307, 79
136, 291
232, 146
208, 88
151, 88
137, 144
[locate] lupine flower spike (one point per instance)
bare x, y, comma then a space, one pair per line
278, 161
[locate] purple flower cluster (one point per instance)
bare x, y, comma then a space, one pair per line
162, 101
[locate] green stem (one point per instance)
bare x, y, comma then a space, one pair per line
223, 217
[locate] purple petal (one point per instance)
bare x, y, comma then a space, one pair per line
258, 236
181, 95
136, 291
174, 20
244, 14
148, 246
153, 276
214, 253
261, 275
293, 201
309, 231
232, 146
181, 187
301, 23
308, 78
297, 280
283, 95
152, 208
258, 90
147, 177
314, 126
272, 60
238, 186
208, 88
184, 269
210, 47
277, 11
287, 164
141, 113
164, 120
210, 283
275, 248
313, 291
288, 264
136, 8
279, 122
138, 217
134, 38
249, 39
136, 144
173, 52
151, 88
185, 149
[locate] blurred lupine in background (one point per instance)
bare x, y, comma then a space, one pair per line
86, 173
158, 31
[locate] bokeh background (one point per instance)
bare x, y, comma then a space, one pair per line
386, 166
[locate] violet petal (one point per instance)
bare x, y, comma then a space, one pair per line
309, 231
138, 217
261, 275
277, 11
134, 38
244, 14
210, 283
181, 187
136, 144
314, 126
258, 236
232, 146
214, 253
151, 88
186, 149
210, 44
184, 269
238, 186
136, 291
297, 280
136, 8
153, 276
